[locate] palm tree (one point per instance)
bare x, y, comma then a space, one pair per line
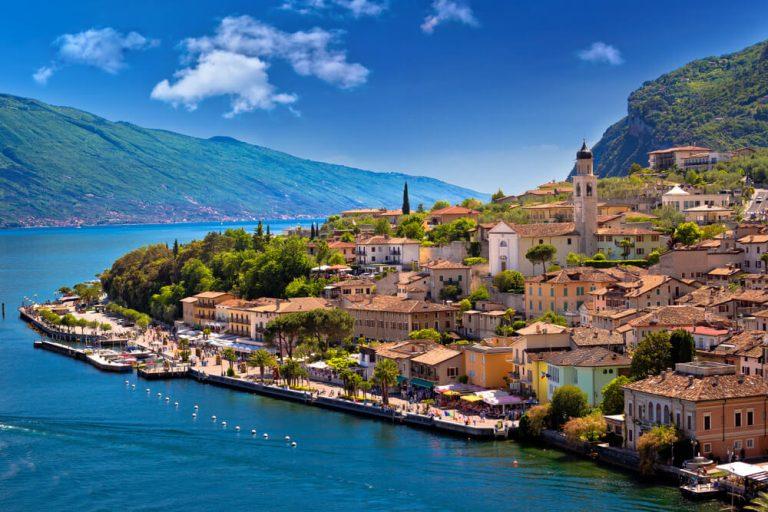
365, 387
759, 504
626, 247
230, 355
292, 371
262, 359
385, 374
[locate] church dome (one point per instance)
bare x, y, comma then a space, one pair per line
584, 153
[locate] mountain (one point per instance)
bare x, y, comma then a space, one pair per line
717, 102
62, 166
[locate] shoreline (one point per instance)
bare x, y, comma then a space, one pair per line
172, 223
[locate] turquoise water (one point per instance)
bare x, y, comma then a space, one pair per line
75, 439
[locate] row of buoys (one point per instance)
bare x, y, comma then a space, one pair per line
213, 417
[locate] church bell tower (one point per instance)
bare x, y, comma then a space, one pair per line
585, 200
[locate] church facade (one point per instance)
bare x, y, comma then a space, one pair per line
508, 243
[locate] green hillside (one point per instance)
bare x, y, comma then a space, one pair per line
717, 102
60, 165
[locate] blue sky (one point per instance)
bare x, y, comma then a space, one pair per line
482, 93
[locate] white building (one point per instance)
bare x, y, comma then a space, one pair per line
383, 250
682, 200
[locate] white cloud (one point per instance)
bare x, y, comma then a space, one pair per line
242, 47
220, 73
446, 11
357, 8
42, 74
101, 48
602, 53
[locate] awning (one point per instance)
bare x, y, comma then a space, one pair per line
422, 383
401, 379
497, 397
741, 469
471, 398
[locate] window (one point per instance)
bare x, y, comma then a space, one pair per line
453, 371
707, 448
630, 435
707, 422
737, 419
689, 421
737, 444
569, 241
750, 443
750, 417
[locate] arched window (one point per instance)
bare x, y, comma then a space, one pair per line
578, 190
503, 243
589, 190
650, 411
658, 413
666, 414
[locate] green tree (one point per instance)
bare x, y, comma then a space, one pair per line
450, 292
382, 227
687, 233
385, 375
230, 355
261, 359
551, 317
406, 208
292, 371
683, 346
497, 195
668, 218
509, 281
426, 334
652, 356
654, 442
465, 305
541, 254
626, 247
439, 205
567, 402
197, 277
412, 226
478, 294
575, 259
613, 395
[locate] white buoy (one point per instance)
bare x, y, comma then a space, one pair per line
265, 436
196, 407
126, 382
293, 444
253, 432
167, 398
237, 428
287, 438
194, 415
175, 404
213, 418
133, 386
159, 395
224, 424
149, 390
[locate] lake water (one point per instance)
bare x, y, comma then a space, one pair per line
76, 439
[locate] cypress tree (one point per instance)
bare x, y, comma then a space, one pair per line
406, 201
176, 247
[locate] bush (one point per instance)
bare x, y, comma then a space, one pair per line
567, 402
613, 396
653, 443
589, 429
534, 421
474, 260
603, 263
509, 281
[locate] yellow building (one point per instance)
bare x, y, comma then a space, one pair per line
642, 242
558, 211
489, 365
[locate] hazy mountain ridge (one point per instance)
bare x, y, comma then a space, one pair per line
60, 165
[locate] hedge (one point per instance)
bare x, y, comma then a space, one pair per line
615, 263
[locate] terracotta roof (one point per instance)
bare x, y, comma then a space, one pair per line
678, 148
454, 210
602, 219
437, 355
445, 265
615, 314
341, 245
706, 331
387, 240
390, 213
210, 295
755, 296
696, 389
573, 275
594, 337
626, 231
545, 229
676, 316
588, 357
548, 206
541, 328
706, 296
753, 239
648, 283
724, 271
396, 305
350, 283
404, 349
293, 305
